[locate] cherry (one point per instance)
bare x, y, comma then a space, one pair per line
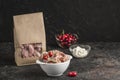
72, 73
45, 56
65, 36
70, 39
50, 53
59, 37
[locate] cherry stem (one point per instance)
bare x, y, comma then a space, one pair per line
63, 32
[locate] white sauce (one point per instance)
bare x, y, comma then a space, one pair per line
79, 52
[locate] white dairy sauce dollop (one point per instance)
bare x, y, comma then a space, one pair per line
79, 52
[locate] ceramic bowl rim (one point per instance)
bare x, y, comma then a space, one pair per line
56, 63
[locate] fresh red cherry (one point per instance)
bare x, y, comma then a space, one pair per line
65, 43
70, 35
62, 38
50, 53
72, 73
69, 41
70, 38
59, 37
65, 36
45, 56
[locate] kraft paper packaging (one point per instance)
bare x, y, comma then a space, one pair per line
28, 28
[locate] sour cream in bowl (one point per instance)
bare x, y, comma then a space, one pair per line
79, 51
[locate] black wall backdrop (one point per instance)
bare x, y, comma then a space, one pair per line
92, 20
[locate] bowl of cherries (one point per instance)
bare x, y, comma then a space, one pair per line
65, 40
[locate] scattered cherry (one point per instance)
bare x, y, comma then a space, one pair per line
72, 73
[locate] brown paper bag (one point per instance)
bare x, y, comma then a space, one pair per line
28, 28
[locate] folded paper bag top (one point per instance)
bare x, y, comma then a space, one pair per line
28, 28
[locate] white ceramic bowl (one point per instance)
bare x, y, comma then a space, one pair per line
54, 69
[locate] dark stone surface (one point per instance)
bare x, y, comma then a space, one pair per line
102, 63
92, 20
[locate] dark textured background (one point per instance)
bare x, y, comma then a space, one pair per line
92, 20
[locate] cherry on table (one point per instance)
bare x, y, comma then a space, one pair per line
72, 73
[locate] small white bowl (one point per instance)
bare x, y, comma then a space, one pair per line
86, 47
54, 69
